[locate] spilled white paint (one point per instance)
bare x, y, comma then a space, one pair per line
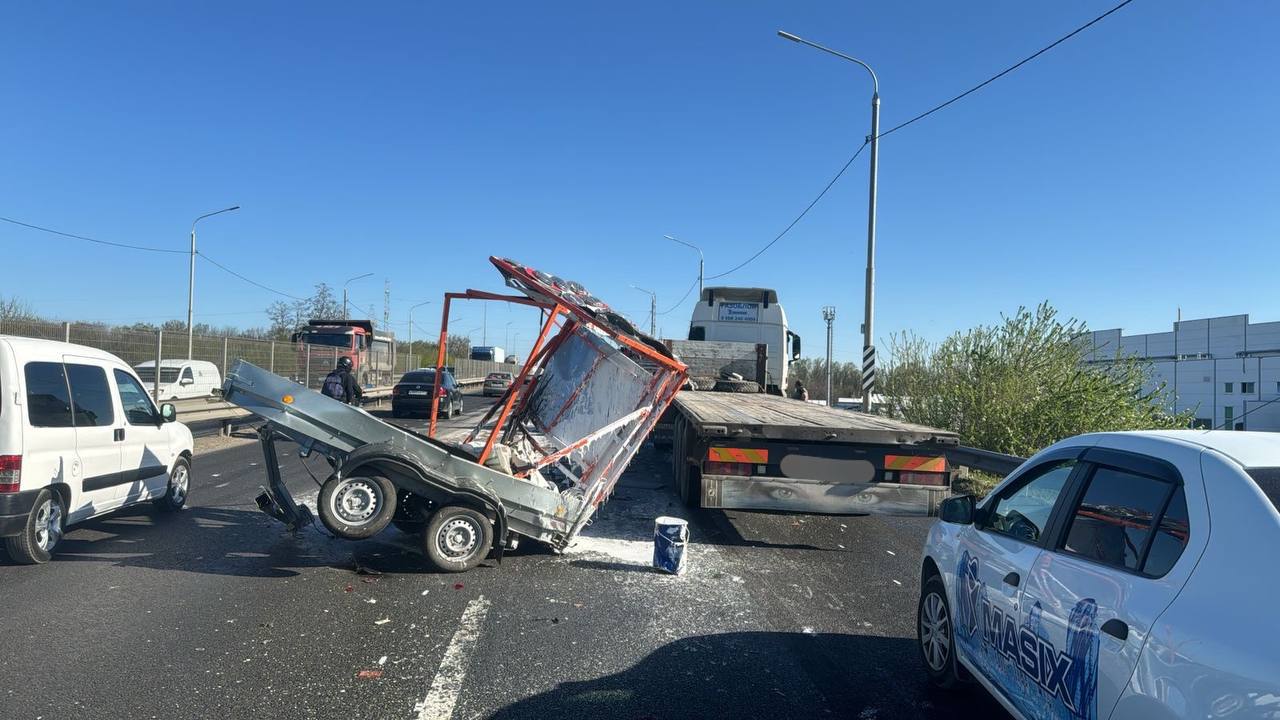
632, 552
442, 696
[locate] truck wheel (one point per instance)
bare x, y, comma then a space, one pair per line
457, 539
41, 533
356, 507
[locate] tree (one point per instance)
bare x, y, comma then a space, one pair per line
324, 305
846, 378
1021, 385
458, 346
14, 309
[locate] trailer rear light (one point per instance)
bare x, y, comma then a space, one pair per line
923, 478
713, 467
10, 473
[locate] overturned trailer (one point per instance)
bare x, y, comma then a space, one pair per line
536, 466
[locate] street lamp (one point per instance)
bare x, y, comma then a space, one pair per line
191, 280
700, 259
868, 347
344, 289
653, 309
424, 302
507, 335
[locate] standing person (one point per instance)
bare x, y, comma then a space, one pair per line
341, 385
800, 392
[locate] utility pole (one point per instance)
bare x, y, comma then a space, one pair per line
653, 309
868, 346
386, 304
344, 291
829, 314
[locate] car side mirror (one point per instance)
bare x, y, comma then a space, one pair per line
959, 510
168, 413
187, 381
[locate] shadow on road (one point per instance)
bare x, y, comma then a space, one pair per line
229, 541
764, 675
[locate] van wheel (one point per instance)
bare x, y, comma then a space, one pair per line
457, 539
935, 633
356, 507
42, 532
175, 495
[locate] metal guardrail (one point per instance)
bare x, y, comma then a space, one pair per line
215, 410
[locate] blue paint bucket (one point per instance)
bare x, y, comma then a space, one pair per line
670, 536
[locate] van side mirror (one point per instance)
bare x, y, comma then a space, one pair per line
168, 413
959, 510
187, 381
795, 347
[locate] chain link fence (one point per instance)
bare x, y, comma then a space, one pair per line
305, 364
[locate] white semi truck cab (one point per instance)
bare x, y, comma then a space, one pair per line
751, 315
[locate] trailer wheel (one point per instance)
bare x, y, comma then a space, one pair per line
356, 507
457, 539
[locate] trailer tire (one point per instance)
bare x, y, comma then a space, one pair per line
356, 507
737, 386
457, 539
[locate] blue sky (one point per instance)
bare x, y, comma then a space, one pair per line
1128, 172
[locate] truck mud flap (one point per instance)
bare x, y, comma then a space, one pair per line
792, 495
275, 500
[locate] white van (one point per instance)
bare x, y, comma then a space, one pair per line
750, 315
181, 379
79, 437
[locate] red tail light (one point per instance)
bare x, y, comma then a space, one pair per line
397, 390
10, 473
712, 467
443, 393
935, 479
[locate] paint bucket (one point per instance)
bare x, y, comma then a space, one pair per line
670, 536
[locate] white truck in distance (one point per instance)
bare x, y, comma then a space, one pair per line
749, 315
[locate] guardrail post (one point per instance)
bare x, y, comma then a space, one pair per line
225, 340
66, 332
272, 367
155, 380
306, 377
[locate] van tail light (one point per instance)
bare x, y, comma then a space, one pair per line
10, 473
713, 467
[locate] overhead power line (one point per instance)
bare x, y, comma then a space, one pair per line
682, 298
254, 283
92, 240
922, 116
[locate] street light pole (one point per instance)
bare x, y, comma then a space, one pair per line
868, 346
829, 314
344, 289
701, 260
191, 281
506, 345
653, 309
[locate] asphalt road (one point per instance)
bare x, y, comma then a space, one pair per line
219, 612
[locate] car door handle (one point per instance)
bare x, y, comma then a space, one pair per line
1012, 579
119, 435
1116, 628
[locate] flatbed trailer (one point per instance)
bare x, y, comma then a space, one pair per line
762, 452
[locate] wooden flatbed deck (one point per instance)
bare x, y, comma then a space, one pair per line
769, 417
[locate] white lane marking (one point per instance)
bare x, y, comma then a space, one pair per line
442, 696
222, 485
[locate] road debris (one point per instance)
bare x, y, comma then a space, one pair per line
369, 674
383, 621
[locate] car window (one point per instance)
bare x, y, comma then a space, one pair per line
1268, 480
427, 378
138, 409
1170, 538
186, 374
90, 396
1022, 510
1114, 518
48, 400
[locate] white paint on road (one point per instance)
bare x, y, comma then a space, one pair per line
442, 696
222, 485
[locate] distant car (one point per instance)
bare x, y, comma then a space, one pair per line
413, 394
181, 379
1114, 575
79, 437
496, 383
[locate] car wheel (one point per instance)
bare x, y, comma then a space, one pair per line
457, 539
42, 532
356, 507
935, 634
459, 406
175, 495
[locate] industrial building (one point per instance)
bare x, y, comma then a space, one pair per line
1225, 369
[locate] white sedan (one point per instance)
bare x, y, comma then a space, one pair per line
1115, 575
